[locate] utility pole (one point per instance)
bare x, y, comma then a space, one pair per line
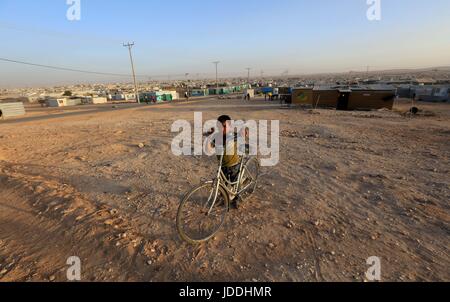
130, 46
217, 74
187, 83
248, 75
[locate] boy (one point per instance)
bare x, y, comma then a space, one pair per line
231, 159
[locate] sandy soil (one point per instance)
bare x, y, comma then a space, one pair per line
349, 185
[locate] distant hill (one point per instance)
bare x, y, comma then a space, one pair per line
430, 69
384, 71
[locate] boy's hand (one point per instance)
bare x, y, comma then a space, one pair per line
210, 132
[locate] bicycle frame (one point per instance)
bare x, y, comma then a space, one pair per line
223, 181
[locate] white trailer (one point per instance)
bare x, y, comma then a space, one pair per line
99, 100
94, 100
56, 102
11, 109
249, 92
74, 102
174, 94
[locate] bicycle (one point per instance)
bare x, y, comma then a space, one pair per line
213, 207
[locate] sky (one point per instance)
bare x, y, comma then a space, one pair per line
174, 37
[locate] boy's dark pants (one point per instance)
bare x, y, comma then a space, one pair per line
232, 173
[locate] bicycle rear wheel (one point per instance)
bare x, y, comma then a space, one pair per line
199, 216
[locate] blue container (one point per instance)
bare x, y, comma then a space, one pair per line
267, 90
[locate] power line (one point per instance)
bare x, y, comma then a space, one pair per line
81, 70
63, 68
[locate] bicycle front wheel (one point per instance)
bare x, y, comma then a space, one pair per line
201, 215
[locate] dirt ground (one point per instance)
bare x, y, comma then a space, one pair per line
349, 185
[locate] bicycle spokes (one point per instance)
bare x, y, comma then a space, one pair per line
198, 220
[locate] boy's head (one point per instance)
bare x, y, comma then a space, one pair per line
225, 123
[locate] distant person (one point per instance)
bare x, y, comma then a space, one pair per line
186, 96
248, 96
288, 100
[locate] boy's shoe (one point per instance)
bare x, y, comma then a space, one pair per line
236, 202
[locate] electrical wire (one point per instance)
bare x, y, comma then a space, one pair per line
84, 71
63, 68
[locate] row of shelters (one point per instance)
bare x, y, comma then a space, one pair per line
345, 98
214, 90
158, 96
73, 101
426, 93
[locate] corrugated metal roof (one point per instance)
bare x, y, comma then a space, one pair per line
382, 87
12, 109
324, 87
